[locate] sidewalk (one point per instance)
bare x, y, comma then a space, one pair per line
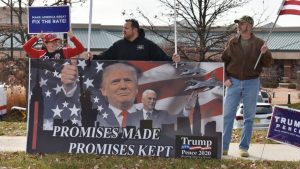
278, 152
12, 143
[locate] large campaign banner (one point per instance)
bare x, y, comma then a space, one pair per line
48, 19
285, 126
104, 111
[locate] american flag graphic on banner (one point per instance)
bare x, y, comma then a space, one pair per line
170, 83
290, 7
52, 111
194, 148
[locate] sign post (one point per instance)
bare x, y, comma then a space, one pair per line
285, 126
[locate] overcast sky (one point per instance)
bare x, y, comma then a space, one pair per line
109, 12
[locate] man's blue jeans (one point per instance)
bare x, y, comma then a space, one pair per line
247, 92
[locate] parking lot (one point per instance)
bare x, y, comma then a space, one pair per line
263, 116
281, 95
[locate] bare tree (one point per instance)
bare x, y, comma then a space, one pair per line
17, 28
197, 21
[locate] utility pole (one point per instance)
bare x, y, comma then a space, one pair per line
11, 33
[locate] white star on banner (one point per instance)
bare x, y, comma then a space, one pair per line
43, 82
100, 108
48, 93
56, 74
65, 104
96, 99
81, 63
74, 121
88, 83
57, 111
47, 71
48, 125
105, 115
57, 89
99, 67
74, 110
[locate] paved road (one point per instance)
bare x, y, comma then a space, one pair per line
278, 152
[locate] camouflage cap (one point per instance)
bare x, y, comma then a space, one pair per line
245, 18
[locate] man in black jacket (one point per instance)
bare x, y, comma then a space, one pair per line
134, 46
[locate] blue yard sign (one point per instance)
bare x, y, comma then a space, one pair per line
48, 19
285, 126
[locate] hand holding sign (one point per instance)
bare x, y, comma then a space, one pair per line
40, 35
71, 34
69, 72
264, 48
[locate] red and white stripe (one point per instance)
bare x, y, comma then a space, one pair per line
199, 148
3, 107
290, 7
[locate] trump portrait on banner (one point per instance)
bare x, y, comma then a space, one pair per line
119, 87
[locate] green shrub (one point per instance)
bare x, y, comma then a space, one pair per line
295, 106
269, 84
292, 86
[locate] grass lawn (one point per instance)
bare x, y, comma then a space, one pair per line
258, 136
295, 106
12, 128
69, 161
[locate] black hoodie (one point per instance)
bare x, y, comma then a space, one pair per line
139, 49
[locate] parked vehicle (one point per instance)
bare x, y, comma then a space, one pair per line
265, 96
260, 99
262, 117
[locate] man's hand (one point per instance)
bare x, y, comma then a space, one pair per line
227, 83
71, 34
264, 48
69, 73
40, 35
86, 56
176, 58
